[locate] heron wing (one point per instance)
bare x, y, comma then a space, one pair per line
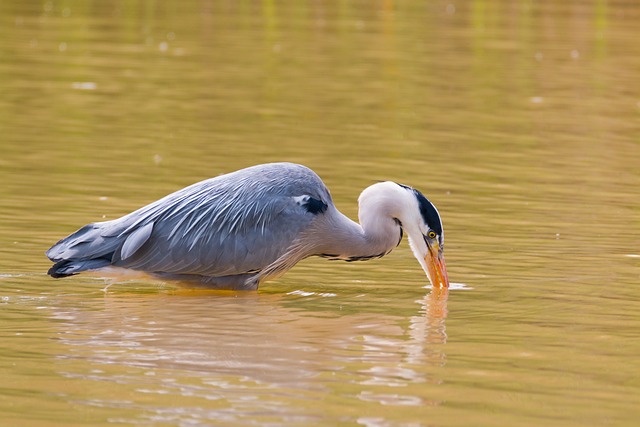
203, 240
232, 224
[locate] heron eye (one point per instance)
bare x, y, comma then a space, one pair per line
432, 234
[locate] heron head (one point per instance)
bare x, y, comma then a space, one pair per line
423, 225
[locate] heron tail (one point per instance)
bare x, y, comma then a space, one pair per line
86, 249
67, 268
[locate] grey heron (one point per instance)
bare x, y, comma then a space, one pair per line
239, 229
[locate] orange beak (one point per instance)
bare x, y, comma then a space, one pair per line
437, 268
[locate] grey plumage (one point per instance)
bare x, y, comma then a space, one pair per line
232, 231
222, 226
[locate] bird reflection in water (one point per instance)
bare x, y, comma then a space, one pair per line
226, 347
428, 329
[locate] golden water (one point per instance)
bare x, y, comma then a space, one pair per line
520, 120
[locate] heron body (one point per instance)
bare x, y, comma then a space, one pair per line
239, 229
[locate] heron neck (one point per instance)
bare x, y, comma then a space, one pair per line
370, 239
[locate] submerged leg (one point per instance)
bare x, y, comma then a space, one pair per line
194, 281
108, 281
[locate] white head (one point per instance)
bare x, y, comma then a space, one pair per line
418, 217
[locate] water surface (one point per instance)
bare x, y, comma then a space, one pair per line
519, 120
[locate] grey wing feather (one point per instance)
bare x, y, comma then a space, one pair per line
232, 224
135, 240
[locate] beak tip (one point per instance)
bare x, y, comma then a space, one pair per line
437, 271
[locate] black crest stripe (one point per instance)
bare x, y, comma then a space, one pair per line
427, 210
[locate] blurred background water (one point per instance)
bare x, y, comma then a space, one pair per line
518, 119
